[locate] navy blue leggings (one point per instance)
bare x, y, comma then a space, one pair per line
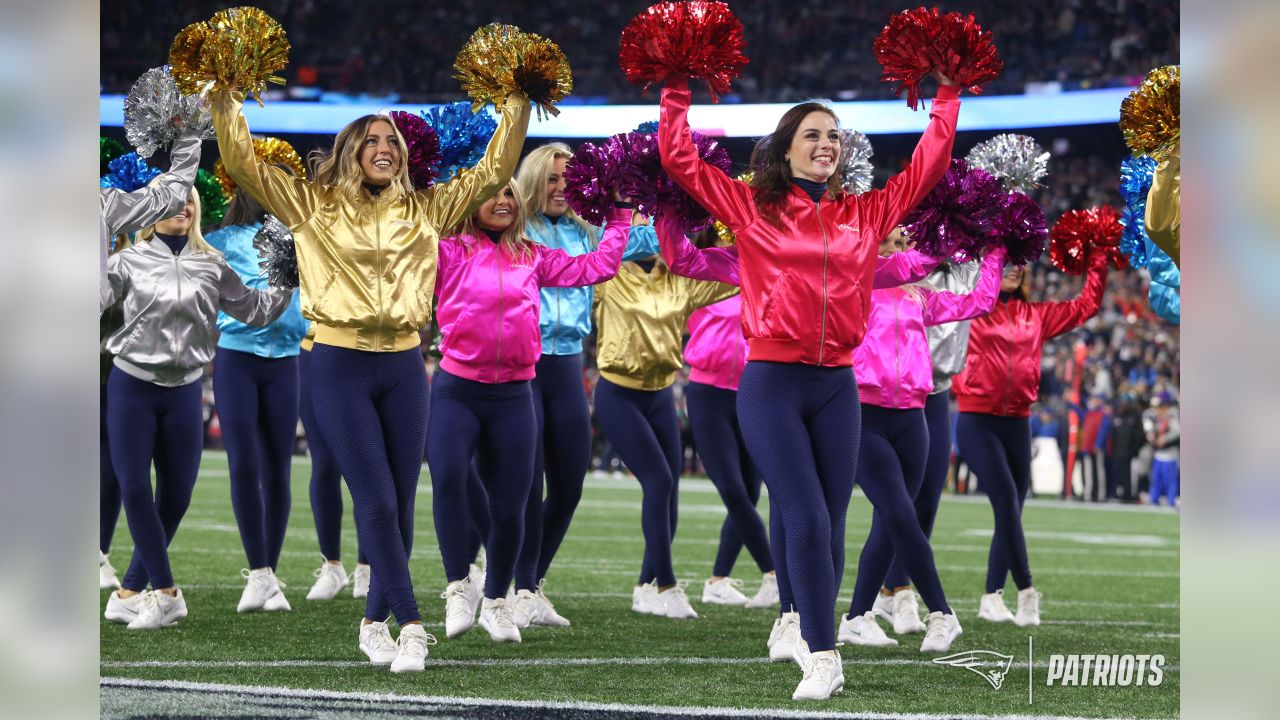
372, 409
164, 424
802, 424
563, 454
108, 486
257, 403
494, 424
713, 413
642, 425
937, 419
478, 509
326, 479
998, 450
779, 553
890, 471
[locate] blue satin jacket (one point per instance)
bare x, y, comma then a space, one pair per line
279, 339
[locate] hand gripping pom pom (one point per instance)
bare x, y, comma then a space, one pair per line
1079, 234
499, 60
150, 107
1022, 227
957, 219
463, 136
1016, 160
108, 150
1136, 175
1150, 116
270, 150
591, 177
916, 42
213, 201
274, 244
856, 170
128, 172
695, 39
239, 48
423, 151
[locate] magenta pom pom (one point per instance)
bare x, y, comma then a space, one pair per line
958, 217
653, 191
1022, 226
423, 151
591, 176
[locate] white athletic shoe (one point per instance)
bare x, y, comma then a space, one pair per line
675, 604
783, 636
331, 578
106, 574
883, 607
1028, 608
863, 630
476, 573
260, 584
906, 613
823, 676
767, 595
542, 612
459, 609
723, 592
495, 616
943, 630
360, 581
158, 610
644, 600
278, 602
376, 643
523, 608
411, 653
123, 610
993, 609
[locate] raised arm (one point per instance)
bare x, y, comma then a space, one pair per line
450, 203
718, 264
250, 306
1164, 213
1059, 317
291, 199
129, 212
642, 242
944, 307
726, 199
883, 209
903, 268
557, 268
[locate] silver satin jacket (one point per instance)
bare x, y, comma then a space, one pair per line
948, 343
170, 305
130, 212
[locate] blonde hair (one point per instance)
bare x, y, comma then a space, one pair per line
518, 247
531, 185
340, 166
195, 238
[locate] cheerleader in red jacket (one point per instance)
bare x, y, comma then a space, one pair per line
993, 431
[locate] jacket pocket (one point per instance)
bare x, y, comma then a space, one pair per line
781, 316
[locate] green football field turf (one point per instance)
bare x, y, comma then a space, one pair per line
1109, 577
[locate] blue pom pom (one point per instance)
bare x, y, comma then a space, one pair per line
1135, 182
128, 172
648, 127
464, 135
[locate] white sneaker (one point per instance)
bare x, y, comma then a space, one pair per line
106, 574
767, 595
542, 612
376, 643
943, 630
459, 608
1028, 608
883, 607
863, 630
783, 636
278, 602
644, 600
476, 573
723, 592
482, 560
906, 613
495, 616
260, 584
158, 610
522, 608
360, 581
330, 579
823, 676
411, 654
993, 609
675, 604
123, 610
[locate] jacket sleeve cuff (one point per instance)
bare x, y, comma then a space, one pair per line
948, 92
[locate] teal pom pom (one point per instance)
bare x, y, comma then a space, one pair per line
464, 135
128, 172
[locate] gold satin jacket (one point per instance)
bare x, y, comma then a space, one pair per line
368, 271
1164, 206
640, 317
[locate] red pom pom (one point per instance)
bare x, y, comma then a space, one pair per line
1079, 234
917, 42
694, 39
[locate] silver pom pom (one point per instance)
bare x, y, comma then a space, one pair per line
1017, 160
150, 107
855, 162
274, 243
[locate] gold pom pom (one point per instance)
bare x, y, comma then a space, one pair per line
270, 150
1150, 116
723, 233
501, 59
239, 48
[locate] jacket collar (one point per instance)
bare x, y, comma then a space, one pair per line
159, 249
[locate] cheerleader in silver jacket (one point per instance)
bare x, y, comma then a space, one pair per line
170, 286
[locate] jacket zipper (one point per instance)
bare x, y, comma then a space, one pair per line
555, 328
897, 357
382, 314
1008, 367
497, 364
177, 270
822, 333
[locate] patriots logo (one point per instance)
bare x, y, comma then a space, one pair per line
992, 666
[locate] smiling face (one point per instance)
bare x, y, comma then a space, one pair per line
896, 242
556, 204
815, 148
380, 153
179, 224
1012, 278
498, 212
